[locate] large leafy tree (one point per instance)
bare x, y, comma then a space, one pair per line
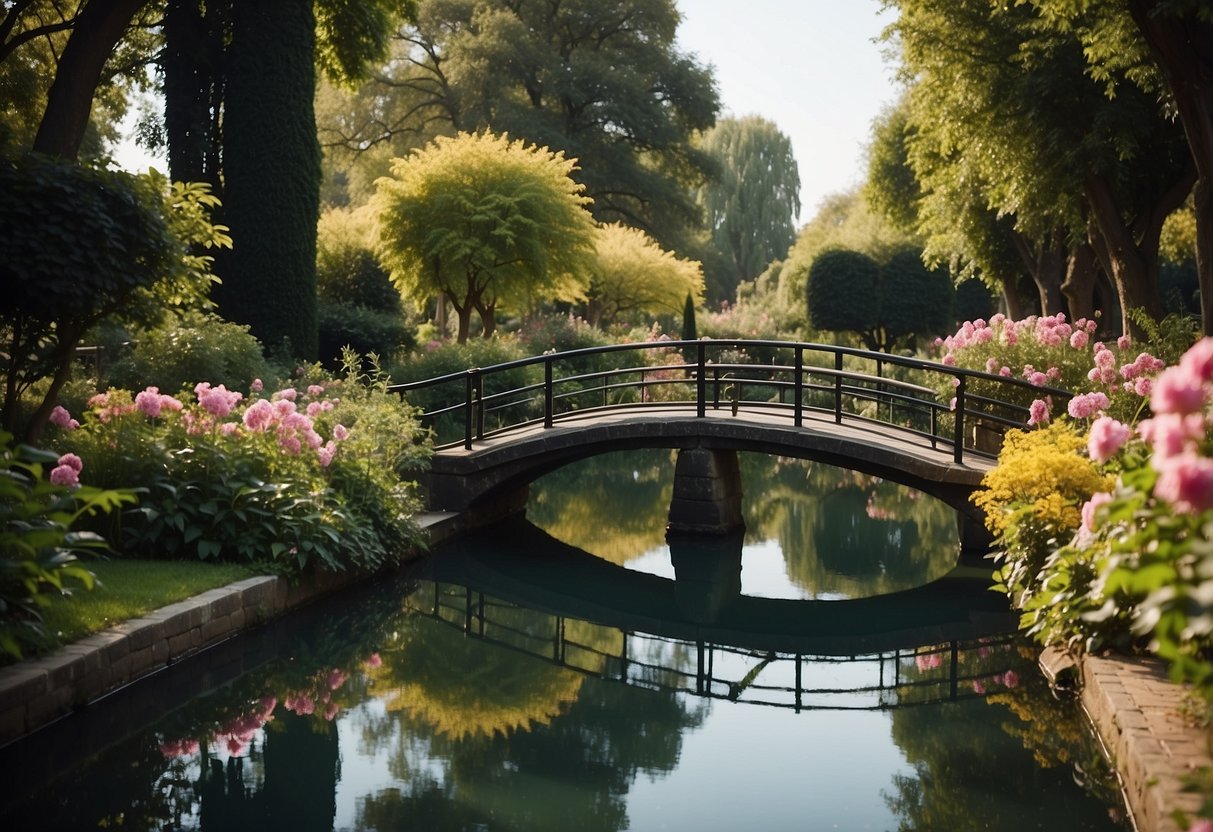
751, 206
601, 82
484, 222
632, 274
1001, 105
1165, 47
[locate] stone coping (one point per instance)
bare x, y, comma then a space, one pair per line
1137, 712
38, 691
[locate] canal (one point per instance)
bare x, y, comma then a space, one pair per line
831, 668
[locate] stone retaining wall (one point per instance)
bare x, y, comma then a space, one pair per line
36, 692
1138, 713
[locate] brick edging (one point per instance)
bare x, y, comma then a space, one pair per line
1137, 712
38, 691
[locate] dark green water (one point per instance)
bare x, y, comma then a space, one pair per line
828, 671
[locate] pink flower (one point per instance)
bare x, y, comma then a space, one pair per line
1198, 360
1038, 412
326, 453
1124, 342
229, 428
1143, 386
336, 679
65, 475
218, 401
1010, 679
60, 418
341, 432
315, 390
256, 386
1104, 357
148, 402
1086, 405
374, 660
290, 444
1079, 339
72, 461
1201, 825
259, 416
331, 710
1170, 434
979, 686
1106, 438
1177, 390
314, 409
1091, 506
1185, 481
288, 393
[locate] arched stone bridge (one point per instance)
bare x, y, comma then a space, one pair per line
498, 428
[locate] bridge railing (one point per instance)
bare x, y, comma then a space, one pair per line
944, 406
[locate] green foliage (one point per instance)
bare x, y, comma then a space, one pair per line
40, 539
362, 329
600, 82
843, 291
973, 300
271, 175
347, 270
484, 221
84, 244
631, 275
439, 359
183, 349
913, 300
1032, 499
751, 206
309, 478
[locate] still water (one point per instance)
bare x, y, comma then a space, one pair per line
830, 669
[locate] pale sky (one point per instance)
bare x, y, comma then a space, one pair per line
810, 66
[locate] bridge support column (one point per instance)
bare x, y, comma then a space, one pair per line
707, 492
975, 539
707, 573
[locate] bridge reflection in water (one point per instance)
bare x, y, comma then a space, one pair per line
697, 634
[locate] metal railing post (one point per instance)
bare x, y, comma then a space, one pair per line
838, 388
478, 393
701, 380
958, 437
547, 392
468, 401
798, 390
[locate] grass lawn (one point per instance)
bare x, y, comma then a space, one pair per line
128, 589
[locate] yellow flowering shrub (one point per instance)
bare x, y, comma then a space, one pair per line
1033, 501
1045, 468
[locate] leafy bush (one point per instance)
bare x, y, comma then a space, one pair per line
1139, 571
82, 244
39, 509
1033, 498
184, 349
315, 476
363, 329
347, 271
1050, 351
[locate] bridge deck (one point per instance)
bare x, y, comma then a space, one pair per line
854, 442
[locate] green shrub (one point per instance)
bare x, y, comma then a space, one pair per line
364, 330
183, 350
40, 512
347, 271
311, 476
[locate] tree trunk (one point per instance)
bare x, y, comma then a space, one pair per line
1183, 48
464, 314
70, 99
1045, 261
1079, 286
1130, 255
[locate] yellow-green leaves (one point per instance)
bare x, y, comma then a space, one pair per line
484, 221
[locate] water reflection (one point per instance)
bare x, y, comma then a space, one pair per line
517, 682
836, 534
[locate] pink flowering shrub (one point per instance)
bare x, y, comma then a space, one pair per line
1138, 572
1051, 351
315, 473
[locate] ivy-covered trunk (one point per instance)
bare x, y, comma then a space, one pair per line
272, 175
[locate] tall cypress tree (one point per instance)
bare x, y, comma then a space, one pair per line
271, 165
